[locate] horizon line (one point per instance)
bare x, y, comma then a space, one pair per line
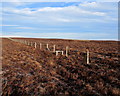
60, 38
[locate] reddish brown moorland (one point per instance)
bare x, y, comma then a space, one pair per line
29, 71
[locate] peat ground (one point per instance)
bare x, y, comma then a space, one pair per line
27, 71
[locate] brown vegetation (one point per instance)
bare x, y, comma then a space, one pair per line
28, 71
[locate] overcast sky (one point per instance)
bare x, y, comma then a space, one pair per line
69, 20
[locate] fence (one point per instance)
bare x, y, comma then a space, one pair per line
40, 46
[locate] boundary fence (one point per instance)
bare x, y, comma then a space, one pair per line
40, 46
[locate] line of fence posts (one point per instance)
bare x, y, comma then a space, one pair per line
54, 49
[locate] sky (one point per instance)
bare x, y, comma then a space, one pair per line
83, 20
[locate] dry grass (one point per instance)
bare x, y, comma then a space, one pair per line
33, 72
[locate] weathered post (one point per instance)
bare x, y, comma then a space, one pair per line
53, 48
40, 45
25, 41
67, 51
56, 53
35, 45
28, 43
62, 52
47, 46
31, 43
88, 53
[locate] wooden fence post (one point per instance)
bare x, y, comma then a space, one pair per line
56, 53
31, 43
88, 53
40, 45
28, 43
67, 51
35, 45
62, 52
25, 42
53, 48
47, 46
